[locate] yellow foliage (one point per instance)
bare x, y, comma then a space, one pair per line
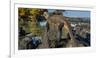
34, 11
30, 26
21, 11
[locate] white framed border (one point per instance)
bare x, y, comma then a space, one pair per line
14, 31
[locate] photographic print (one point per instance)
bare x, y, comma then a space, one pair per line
44, 28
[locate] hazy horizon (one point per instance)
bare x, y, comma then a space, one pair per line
73, 13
